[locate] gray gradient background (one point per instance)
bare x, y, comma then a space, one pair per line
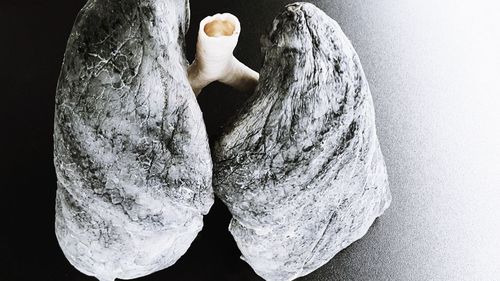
434, 71
433, 68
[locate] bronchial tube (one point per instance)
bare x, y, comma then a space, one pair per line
217, 37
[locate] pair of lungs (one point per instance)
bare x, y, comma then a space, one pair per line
299, 168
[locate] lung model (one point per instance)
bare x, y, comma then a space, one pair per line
131, 152
300, 168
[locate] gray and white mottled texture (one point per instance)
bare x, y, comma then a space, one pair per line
300, 168
131, 151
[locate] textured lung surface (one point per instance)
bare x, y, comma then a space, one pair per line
300, 168
131, 153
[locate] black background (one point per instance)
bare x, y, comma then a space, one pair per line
34, 35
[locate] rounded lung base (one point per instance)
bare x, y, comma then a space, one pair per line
301, 168
131, 152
